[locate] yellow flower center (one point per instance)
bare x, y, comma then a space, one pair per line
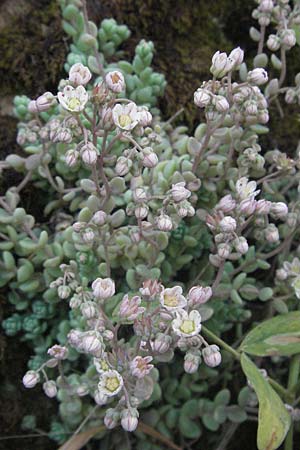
187, 326
73, 103
124, 120
112, 384
170, 300
104, 365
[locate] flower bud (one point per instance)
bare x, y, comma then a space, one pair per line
72, 157
103, 288
79, 74
91, 344
224, 250
50, 388
281, 274
198, 295
288, 38
100, 398
273, 42
271, 233
129, 419
161, 343
220, 64
61, 134
115, 81
63, 292
179, 192
247, 206
279, 210
123, 166
89, 154
88, 310
145, 117
82, 390
78, 226
42, 103
237, 56
149, 158
192, 360
212, 356
226, 204
99, 218
139, 195
88, 235
228, 224
202, 97
221, 103
111, 418
263, 206
30, 379
58, 352
164, 222
141, 211
241, 245
257, 76
266, 6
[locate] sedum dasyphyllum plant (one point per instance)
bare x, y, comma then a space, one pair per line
147, 233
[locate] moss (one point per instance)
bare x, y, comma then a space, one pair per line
32, 47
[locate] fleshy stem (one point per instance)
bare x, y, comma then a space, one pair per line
280, 389
294, 371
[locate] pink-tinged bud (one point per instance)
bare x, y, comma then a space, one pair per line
281, 274
115, 81
82, 390
272, 233
220, 64
290, 96
263, 116
279, 210
164, 222
264, 19
89, 154
130, 307
79, 74
263, 207
145, 117
149, 158
78, 226
50, 388
99, 218
212, 356
58, 352
63, 292
202, 97
266, 6
250, 107
61, 134
141, 212
72, 157
140, 366
88, 310
161, 343
111, 418
129, 419
42, 103
257, 76
215, 260
192, 361
224, 250
288, 38
30, 379
226, 204
198, 295
123, 166
91, 344
179, 192
103, 288
228, 224
241, 245
247, 206
221, 103
75, 338
139, 195
273, 42
88, 236
151, 288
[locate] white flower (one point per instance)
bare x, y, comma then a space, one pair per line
103, 288
115, 81
246, 188
110, 383
126, 117
172, 298
179, 192
79, 74
73, 99
187, 325
140, 366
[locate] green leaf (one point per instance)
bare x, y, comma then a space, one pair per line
277, 336
273, 419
